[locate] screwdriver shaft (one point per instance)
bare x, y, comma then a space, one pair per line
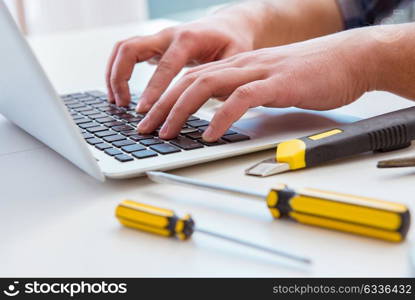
256, 246
162, 177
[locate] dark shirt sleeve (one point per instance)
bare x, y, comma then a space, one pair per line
359, 13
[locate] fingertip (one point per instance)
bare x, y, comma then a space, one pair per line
209, 135
143, 107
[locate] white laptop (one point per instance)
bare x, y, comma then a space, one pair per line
100, 138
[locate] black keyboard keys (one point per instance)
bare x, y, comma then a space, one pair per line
123, 157
139, 137
195, 135
104, 120
88, 125
113, 138
144, 154
233, 138
93, 141
150, 142
87, 135
96, 129
133, 148
198, 123
103, 146
102, 134
122, 128
114, 124
165, 148
217, 143
186, 143
123, 143
113, 151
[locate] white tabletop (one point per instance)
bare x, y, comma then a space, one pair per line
58, 221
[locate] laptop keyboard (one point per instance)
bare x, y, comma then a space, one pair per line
112, 129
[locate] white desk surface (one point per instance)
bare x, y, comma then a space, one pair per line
57, 221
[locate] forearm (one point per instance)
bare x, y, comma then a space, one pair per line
394, 59
279, 22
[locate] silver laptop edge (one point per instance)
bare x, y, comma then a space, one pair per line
44, 116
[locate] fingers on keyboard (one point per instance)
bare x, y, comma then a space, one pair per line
111, 129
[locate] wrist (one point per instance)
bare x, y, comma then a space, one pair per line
394, 57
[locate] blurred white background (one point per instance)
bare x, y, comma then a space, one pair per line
49, 16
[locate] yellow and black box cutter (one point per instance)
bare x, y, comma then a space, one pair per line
383, 133
374, 218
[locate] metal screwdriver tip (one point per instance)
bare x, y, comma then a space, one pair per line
397, 163
267, 167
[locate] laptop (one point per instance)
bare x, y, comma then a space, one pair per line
100, 138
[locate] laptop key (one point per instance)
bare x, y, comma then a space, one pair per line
102, 134
139, 137
100, 105
87, 135
150, 142
197, 123
103, 146
126, 116
104, 120
188, 130
97, 116
90, 112
76, 116
83, 109
75, 105
133, 148
186, 143
93, 141
123, 158
144, 154
114, 138
87, 125
96, 129
165, 148
235, 138
113, 151
113, 123
209, 144
192, 118
122, 128
129, 132
195, 135
83, 120
123, 143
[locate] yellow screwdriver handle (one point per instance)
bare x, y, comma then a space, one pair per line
365, 216
154, 220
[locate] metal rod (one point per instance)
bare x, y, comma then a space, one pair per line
162, 177
256, 246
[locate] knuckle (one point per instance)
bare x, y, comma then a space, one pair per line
185, 35
244, 92
165, 65
125, 49
189, 78
206, 80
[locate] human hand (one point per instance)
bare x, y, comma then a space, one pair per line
206, 40
318, 74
